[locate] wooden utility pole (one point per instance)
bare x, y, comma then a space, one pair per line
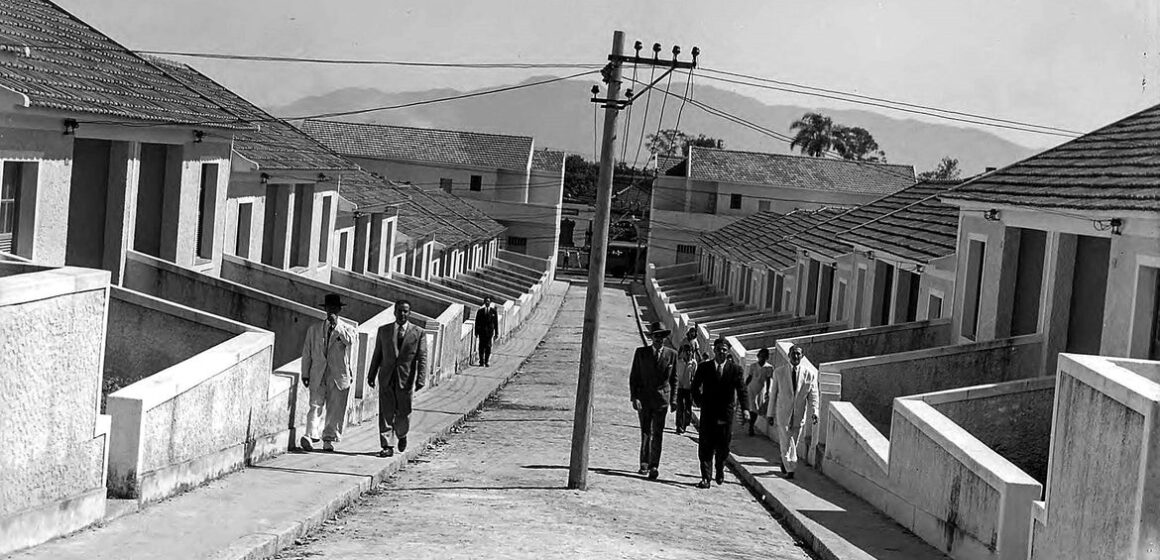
582, 425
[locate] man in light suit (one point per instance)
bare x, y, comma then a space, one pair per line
652, 387
794, 388
400, 362
326, 365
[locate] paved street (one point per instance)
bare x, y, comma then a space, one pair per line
497, 488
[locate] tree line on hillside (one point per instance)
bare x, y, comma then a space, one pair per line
815, 135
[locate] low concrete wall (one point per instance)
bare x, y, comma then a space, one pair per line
192, 422
934, 477
873, 383
538, 265
1103, 492
146, 335
423, 302
675, 270
295, 287
288, 320
52, 338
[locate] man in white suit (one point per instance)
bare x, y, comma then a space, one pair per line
326, 371
794, 387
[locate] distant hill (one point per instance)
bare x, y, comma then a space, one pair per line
559, 115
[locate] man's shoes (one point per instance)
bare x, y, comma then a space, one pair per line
402, 444
328, 446
653, 474
782, 467
680, 431
387, 452
789, 475
720, 479
752, 432
703, 484
305, 444
643, 469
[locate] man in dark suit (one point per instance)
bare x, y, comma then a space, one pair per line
718, 386
652, 387
400, 362
486, 329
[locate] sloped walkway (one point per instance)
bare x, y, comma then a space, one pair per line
836, 524
262, 509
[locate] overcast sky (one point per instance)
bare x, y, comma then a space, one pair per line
1074, 64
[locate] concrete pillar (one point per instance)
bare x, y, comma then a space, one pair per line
390, 228
361, 243
1056, 313
121, 206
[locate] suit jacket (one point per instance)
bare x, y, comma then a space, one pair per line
486, 322
404, 364
653, 381
788, 408
718, 395
326, 357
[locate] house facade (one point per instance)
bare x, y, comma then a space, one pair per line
501, 175
712, 188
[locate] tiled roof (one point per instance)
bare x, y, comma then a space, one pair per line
1114, 168
462, 215
665, 164
912, 223
761, 237
379, 141
369, 192
820, 174
276, 144
548, 160
59, 63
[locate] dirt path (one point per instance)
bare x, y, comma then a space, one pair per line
497, 488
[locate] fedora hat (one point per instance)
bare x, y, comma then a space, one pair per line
655, 329
332, 300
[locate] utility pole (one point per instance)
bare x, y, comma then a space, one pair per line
582, 425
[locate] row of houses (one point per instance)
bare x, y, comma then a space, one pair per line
164, 245
989, 349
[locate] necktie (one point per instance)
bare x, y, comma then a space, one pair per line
402, 331
794, 378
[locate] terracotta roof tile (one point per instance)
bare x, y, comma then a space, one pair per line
475, 149
276, 144
710, 164
548, 160
66, 65
761, 237
1116, 167
912, 223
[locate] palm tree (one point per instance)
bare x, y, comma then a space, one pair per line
815, 134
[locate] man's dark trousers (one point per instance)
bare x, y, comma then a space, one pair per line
485, 350
684, 408
713, 443
652, 431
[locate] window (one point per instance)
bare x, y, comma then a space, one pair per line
303, 197
343, 243
476, 183
735, 201
206, 206
245, 223
763, 206
1028, 281
517, 244
975, 251
883, 294
324, 237
9, 205
840, 309
686, 253
445, 184
934, 307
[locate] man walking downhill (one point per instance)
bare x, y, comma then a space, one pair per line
400, 362
794, 387
652, 386
326, 373
486, 329
718, 387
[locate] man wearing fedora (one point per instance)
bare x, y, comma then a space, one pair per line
400, 363
652, 388
326, 371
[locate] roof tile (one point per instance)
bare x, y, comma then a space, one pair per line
379, 141
837, 175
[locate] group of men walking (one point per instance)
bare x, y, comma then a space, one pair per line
662, 379
398, 368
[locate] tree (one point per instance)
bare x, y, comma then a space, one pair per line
857, 144
670, 142
814, 136
947, 169
817, 134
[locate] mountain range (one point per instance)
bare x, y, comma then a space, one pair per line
559, 115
